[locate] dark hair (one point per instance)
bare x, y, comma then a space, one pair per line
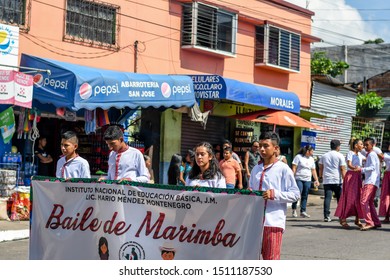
213, 168
303, 150
228, 149
354, 142
334, 144
226, 142
370, 139
69, 135
191, 153
253, 142
113, 132
103, 241
269, 135
174, 169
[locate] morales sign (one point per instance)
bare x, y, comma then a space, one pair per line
89, 220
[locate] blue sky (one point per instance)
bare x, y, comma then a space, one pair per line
349, 22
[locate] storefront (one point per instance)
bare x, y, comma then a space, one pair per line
70, 96
226, 97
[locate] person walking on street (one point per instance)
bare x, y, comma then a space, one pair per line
371, 171
303, 167
332, 171
277, 182
205, 172
349, 203
124, 162
384, 207
71, 165
252, 157
174, 170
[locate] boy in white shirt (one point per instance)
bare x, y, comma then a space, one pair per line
277, 182
124, 162
371, 182
71, 165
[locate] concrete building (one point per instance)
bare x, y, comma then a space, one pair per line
264, 43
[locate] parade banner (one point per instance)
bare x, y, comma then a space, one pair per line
91, 220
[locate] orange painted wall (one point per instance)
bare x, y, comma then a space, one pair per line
156, 24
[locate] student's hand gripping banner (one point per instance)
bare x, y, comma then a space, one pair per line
90, 220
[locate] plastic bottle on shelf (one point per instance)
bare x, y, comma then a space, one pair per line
5, 157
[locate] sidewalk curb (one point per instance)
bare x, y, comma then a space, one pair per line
10, 235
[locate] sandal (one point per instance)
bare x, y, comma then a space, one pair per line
344, 224
367, 227
359, 224
386, 221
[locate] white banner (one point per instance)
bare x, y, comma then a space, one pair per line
110, 221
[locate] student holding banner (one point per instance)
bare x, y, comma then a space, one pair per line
205, 172
71, 165
124, 162
279, 187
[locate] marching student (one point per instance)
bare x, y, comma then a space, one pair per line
124, 162
371, 171
205, 172
384, 207
71, 165
279, 187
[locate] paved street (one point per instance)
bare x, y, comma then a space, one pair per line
304, 239
314, 239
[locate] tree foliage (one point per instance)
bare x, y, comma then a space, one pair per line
376, 41
367, 103
321, 64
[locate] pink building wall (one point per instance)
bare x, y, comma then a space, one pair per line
156, 25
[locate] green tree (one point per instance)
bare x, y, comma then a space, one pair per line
368, 103
322, 65
376, 41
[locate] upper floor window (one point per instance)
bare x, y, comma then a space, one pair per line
13, 12
91, 22
277, 47
208, 28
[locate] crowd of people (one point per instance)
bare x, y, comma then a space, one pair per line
354, 179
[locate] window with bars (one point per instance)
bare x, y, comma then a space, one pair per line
91, 22
277, 47
13, 12
208, 28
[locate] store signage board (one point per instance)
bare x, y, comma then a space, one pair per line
16, 88
9, 46
80, 87
214, 87
71, 219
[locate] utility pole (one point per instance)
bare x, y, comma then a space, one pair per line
135, 56
346, 60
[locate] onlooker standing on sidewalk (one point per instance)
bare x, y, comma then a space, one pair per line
303, 167
349, 203
372, 172
332, 170
384, 207
230, 169
276, 180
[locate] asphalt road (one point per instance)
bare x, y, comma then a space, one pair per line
304, 239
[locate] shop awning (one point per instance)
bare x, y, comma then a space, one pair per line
276, 117
75, 87
214, 87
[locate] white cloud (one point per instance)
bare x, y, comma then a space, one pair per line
337, 23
